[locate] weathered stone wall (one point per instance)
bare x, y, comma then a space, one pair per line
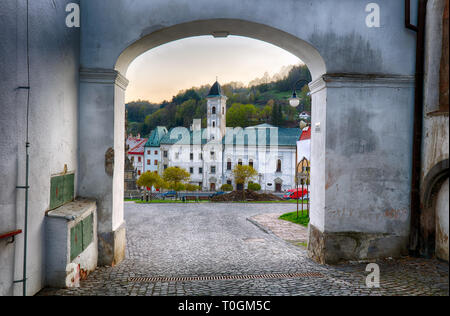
362, 154
442, 209
363, 140
435, 149
54, 63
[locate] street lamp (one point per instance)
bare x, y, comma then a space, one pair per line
294, 101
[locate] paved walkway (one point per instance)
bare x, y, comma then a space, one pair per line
176, 240
290, 232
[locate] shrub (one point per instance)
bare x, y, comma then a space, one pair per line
226, 187
192, 187
254, 187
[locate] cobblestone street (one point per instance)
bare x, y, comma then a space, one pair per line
176, 240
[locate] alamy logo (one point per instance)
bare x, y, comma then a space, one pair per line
373, 279
73, 18
373, 19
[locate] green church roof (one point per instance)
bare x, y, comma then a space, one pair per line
260, 135
215, 90
155, 137
263, 135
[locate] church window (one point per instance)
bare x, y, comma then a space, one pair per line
213, 110
279, 165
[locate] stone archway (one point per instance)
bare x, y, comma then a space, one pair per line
428, 238
360, 170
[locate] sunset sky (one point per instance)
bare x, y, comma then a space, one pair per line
160, 73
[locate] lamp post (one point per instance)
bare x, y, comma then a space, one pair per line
294, 101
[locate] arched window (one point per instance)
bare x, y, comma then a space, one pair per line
229, 164
214, 123
240, 162
213, 110
279, 165
250, 163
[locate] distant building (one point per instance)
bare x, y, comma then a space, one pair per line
136, 153
152, 150
210, 154
304, 145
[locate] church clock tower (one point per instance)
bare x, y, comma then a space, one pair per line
217, 113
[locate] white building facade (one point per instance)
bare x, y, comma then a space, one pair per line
304, 145
136, 155
211, 154
152, 150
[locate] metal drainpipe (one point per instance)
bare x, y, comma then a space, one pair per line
27, 166
414, 242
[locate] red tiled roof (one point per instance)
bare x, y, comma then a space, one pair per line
306, 133
133, 141
139, 148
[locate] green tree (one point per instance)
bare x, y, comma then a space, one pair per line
243, 174
241, 115
254, 187
277, 115
226, 187
149, 179
305, 99
176, 186
192, 187
175, 177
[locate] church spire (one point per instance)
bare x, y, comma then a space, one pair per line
215, 90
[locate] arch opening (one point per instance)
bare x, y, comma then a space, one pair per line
288, 42
296, 46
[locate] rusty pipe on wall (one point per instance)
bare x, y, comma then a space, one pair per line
415, 235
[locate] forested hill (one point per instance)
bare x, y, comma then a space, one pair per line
264, 101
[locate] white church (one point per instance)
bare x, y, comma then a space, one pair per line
211, 153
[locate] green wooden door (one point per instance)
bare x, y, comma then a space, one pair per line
88, 230
62, 190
